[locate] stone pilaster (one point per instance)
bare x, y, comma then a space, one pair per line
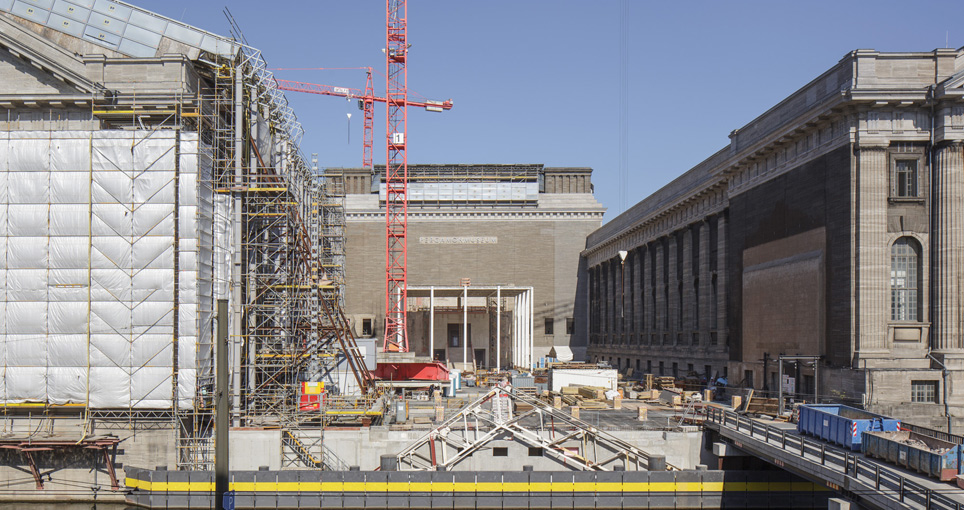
687, 310
721, 326
637, 293
649, 301
661, 320
948, 247
672, 281
873, 282
706, 286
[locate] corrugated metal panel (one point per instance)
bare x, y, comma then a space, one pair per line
30, 12
68, 26
74, 12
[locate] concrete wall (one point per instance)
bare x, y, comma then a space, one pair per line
364, 448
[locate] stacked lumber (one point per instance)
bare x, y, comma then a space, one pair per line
593, 392
665, 383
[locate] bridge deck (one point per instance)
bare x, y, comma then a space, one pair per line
866, 481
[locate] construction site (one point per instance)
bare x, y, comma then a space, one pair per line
194, 313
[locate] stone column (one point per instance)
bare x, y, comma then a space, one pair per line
672, 281
873, 272
948, 246
706, 286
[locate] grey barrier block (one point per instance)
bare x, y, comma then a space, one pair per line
332, 498
263, 498
420, 495
488, 490
539, 498
463, 498
688, 495
353, 498
712, 497
178, 499
664, 498
158, 499
758, 490
628, 498
779, 492
376, 495
201, 499
734, 496
287, 498
514, 497
243, 499
398, 498
583, 499
561, 489
440, 498
309, 497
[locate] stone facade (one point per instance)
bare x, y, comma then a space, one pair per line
831, 226
479, 222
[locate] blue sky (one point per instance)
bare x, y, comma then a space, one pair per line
538, 81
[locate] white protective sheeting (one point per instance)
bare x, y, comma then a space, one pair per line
88, 311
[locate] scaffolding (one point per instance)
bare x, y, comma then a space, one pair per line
190, 196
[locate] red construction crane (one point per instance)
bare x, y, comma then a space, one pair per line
366, 103
396, 176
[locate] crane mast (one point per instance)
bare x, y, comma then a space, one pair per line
396, 177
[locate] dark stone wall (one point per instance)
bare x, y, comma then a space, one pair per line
813, 195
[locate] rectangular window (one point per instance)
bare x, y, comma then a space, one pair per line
923, 392
570, 326
500, 451
535, 451
905, 178
661, 368
366, 327
675, 369
549, 324
748, 379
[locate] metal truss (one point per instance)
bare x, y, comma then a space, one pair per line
567, 440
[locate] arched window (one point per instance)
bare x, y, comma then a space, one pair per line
905, 288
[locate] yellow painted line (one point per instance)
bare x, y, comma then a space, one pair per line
584, 487
470, 487
354, 487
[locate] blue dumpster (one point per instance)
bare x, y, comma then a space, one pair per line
841, 424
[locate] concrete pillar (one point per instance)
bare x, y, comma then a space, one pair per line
706, 286
872, 275
948, 246
672, 280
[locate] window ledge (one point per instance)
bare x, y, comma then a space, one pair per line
906, 200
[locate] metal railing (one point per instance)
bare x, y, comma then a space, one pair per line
886, 482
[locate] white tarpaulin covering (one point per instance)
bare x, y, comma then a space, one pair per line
87, 267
